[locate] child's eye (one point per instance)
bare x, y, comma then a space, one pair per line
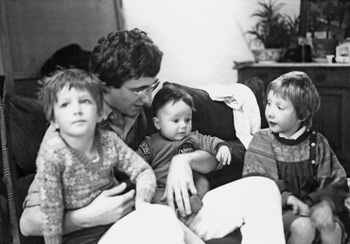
280, 108
175, 120
63, 105
188, 120
86, 101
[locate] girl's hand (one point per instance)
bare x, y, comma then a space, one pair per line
224, 155
298, 206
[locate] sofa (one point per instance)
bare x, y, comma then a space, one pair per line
26, 125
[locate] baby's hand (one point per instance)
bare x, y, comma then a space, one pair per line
298, 206
224, 155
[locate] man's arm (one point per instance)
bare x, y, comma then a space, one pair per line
107, 208
180, 178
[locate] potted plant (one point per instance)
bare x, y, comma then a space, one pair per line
272, 31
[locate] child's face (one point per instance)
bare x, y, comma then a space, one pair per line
75, 113
281, 115
174, 120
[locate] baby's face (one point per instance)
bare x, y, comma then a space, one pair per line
174, 120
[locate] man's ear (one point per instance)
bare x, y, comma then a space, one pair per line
156, 123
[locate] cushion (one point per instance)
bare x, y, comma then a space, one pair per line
211, 117
27, 125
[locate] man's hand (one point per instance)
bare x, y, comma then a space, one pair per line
180, 184
298, 206
107, 208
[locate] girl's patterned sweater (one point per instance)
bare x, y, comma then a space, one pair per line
68, 180
289, 164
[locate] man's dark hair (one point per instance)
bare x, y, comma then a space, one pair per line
125, 55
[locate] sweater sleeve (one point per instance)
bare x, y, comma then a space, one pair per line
260, 160
145, 151
208, 143
137, 169
50, 191
331, 177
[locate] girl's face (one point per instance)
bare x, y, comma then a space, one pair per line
75, 113
281, 115
174, 120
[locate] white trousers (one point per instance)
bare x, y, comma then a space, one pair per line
252, 203
150, 224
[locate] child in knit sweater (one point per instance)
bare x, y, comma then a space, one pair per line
172, 108
312, 181
75, 164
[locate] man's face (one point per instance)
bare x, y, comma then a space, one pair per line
131, 96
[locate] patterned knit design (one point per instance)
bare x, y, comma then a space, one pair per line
68, 180
288, 161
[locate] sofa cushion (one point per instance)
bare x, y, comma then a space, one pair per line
27, 125
211, 117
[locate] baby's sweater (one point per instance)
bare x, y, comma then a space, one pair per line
68, 180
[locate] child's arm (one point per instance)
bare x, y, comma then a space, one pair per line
331, 177
260, 160
139, 171
50, 192
215, 146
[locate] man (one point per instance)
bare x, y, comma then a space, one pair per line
127, 62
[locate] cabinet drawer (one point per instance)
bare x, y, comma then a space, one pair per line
329, 77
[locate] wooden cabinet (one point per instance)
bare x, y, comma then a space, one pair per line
333, 84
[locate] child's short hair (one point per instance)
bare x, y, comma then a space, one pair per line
170, 93
125, 55
75, 78
299, 89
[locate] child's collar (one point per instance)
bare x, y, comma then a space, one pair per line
295, 136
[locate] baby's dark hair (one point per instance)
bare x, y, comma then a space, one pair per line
74, 78
170, 93
299, 89
125, 55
